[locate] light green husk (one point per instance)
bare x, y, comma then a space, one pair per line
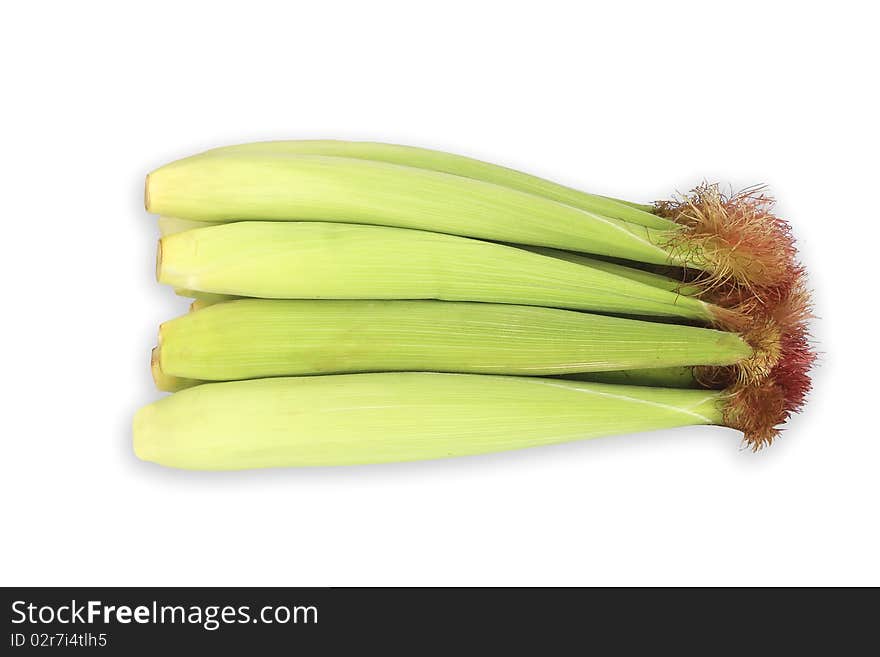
305, 260
376, 418
255, 338
283, 187
172, 225
423, 158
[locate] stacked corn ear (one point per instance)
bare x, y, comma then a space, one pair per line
359, 303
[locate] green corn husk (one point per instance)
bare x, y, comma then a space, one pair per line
281, 187
304, 260
423, 158
377, 418
172, 225
255, 338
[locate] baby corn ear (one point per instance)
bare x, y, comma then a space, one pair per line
254, 338
423, 158
379, 418
294, 187
311, 260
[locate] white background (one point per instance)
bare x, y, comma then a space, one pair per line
628, 99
